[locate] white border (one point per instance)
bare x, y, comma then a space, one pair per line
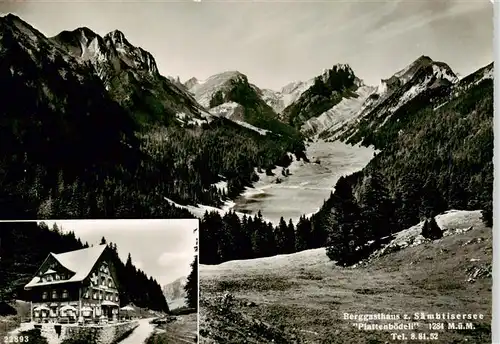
495, 321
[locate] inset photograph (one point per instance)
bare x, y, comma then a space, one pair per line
99, 281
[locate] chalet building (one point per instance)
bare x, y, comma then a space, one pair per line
76, 286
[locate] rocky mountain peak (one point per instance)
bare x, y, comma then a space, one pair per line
191, 82
203, 90
117, 37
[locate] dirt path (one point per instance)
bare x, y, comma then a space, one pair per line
141, 333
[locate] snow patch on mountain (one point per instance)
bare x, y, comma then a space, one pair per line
235, 112
288, 94
444, 73
199, 210
347, 109
221, 186
204, 90
182, 117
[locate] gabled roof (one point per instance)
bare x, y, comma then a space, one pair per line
80, 262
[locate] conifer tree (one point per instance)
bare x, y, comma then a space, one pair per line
302, 234
434, 231
290, 238
281, 236
346, 235
191, 286
376, 207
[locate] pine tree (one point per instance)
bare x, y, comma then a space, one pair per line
346, 235
434, 232
376, 207
281, 236
290, 238
408, 200
302, 234
210, 227
425, 229
191, 286
263, 242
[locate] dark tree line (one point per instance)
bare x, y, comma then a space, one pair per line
228, 237
25, 245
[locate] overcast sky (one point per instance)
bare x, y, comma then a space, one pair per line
163, 249
276, 43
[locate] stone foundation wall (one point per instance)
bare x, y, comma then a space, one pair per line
103, 334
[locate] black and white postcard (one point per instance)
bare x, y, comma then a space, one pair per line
338, 156
91, 281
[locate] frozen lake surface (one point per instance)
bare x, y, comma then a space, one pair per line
303, 192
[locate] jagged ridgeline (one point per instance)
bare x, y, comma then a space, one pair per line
327, 90
25, 245
90, 129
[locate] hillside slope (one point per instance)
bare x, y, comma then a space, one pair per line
301, 298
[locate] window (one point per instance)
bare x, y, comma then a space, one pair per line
58, 277
54, 294
65, 294
116, 298
44, 295
95, 296
49, 278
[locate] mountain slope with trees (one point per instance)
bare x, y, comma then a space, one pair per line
441, 159
82, 141
327, 90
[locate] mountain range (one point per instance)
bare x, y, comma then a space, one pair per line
91, 129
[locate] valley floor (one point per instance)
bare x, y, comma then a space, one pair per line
301, 298
303, 192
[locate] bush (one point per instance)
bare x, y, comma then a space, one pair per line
431, 229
